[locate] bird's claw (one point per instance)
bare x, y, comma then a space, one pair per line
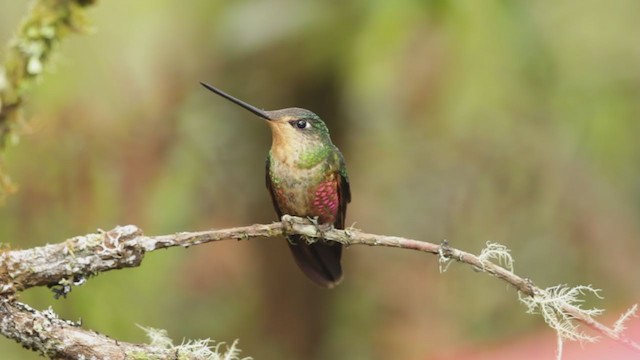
321, 229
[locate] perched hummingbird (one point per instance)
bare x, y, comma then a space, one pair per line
306, 176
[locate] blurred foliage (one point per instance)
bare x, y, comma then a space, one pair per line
48, 22
510, 121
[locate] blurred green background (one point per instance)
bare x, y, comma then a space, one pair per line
472, 121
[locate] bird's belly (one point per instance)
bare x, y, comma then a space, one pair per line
307, 196
294, 200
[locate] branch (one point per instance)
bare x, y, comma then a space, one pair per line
83, 256
45, 333
26, 58
70, 263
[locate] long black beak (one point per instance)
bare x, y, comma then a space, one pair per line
263, 114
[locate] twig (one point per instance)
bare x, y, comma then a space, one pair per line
65, 264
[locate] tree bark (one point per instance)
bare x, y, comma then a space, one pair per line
70, 263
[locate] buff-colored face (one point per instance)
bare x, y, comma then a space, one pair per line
299, 137
291, 127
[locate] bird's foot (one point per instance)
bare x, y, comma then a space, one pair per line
321, 229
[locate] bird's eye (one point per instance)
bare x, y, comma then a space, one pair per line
301, 124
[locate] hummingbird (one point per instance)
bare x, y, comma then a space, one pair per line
306, 176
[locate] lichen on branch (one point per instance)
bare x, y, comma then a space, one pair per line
26, 58
45, 333
69, 263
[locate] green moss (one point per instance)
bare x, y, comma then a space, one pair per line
29, 52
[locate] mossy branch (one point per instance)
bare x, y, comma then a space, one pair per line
63, 265
45, 333
27, 57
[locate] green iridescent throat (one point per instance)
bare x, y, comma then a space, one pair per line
313, 156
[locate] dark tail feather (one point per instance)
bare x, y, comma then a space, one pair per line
320, 261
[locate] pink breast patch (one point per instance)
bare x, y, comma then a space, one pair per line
326, 201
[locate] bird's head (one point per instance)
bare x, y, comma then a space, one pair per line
291, 127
